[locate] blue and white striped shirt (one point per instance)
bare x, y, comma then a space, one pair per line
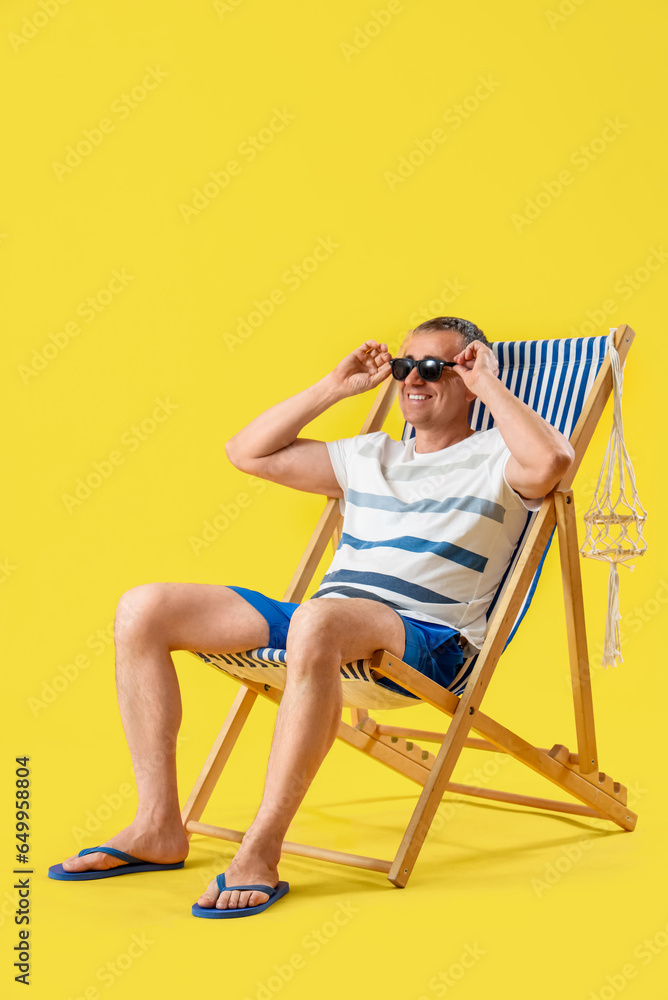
428, 534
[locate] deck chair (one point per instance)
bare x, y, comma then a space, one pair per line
567, 381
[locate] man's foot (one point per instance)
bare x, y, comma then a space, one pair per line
242, 870
161, 844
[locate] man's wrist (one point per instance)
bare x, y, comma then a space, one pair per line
329, 391
486, 385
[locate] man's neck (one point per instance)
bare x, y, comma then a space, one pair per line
428, 439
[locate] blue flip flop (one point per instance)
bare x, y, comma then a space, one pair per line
132, 865
245, 911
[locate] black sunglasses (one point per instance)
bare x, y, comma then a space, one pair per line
429, 369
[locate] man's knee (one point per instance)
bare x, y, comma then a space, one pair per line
315, 621
140, 607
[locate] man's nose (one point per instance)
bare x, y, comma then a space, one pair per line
413, 377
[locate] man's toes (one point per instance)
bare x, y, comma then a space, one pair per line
239, 900
228, 900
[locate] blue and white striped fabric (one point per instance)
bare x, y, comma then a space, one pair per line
267, 666
554, 378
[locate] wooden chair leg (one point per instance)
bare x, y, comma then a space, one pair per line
430, 799
220, 751
576, 631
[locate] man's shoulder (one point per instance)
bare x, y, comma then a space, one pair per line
374, 441
491, 436
364, 451
380, 445
488, 442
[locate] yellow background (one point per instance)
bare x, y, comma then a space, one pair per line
557, 79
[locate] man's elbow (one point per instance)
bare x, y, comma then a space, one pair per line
561, 459
539, 477
233, 455
241, 460
564, 458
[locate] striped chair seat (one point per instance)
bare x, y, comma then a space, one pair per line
268, 666
553, 377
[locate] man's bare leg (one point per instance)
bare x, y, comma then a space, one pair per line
323, 633
152, 620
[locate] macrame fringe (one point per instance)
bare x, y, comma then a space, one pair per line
611, 647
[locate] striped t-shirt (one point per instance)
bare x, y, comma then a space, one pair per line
428, 534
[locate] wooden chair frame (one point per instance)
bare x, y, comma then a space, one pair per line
575, 773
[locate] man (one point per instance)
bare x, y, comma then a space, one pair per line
429, 527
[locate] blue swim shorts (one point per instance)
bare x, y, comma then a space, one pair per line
430, 648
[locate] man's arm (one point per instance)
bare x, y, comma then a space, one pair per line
539, 454
269, 445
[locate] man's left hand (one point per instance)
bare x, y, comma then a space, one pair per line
474, 362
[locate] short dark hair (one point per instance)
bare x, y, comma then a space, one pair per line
469, 331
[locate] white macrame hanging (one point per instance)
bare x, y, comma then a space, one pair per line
615, 526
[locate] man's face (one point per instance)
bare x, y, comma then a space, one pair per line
434, 404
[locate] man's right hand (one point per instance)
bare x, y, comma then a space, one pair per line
270, 447
365, 368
